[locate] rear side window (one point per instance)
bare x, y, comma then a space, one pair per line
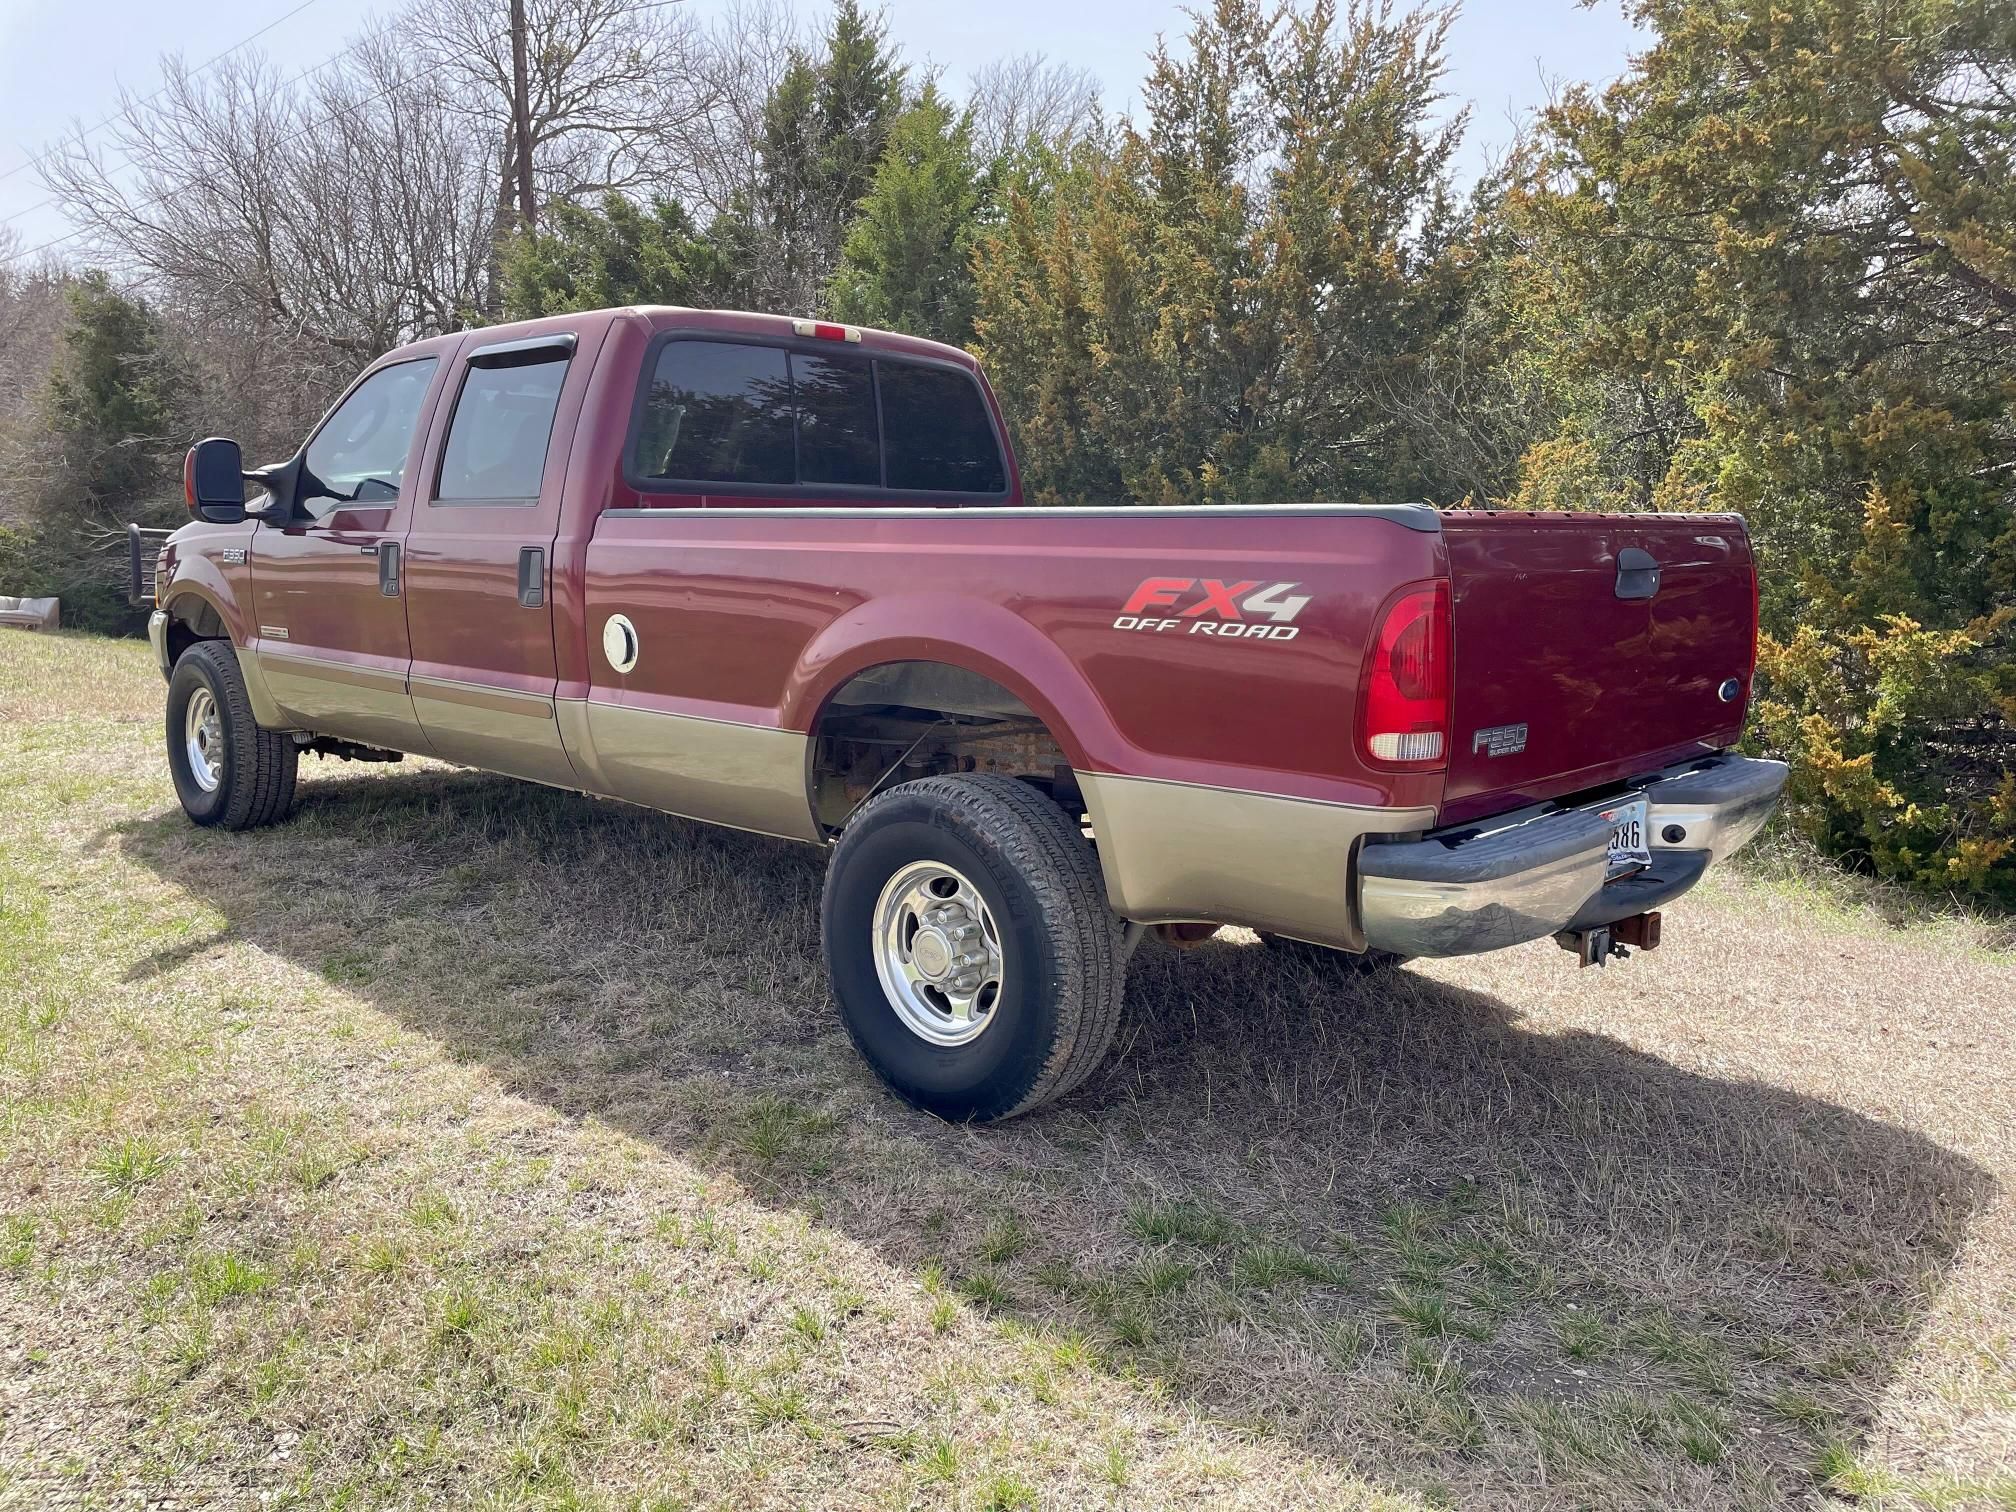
718, 413
725, 412
935, 431
503, 423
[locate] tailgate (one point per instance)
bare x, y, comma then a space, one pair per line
1591, 648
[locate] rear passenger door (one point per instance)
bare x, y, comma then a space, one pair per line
479, 554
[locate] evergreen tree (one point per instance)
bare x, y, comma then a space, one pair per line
107, 404
105, 452
906, 263
1773, 270
825, 126
1225, 302
584, 258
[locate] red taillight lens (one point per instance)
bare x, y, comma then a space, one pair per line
1405, 716
189, 479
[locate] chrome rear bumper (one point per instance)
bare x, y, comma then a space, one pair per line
1478, 887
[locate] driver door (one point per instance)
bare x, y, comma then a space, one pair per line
330, 630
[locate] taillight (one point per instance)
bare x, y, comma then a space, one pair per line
189, 480
1756, 621
1404, 717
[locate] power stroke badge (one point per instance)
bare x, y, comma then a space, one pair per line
1246, 610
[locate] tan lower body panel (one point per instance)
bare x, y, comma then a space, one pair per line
264, 709
497, 729
337, 698
1175, 851
750, 777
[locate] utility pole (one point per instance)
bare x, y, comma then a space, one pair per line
521, 117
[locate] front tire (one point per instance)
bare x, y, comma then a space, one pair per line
228, 772
975, 962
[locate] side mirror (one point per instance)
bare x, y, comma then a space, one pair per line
282, 487
213, 480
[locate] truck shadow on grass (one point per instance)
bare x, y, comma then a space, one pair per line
1375, 1218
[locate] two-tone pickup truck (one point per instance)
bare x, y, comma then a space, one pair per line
778, 574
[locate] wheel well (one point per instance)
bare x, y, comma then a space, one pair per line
904, 720
192, 619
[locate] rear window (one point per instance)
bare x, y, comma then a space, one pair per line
837, 435
758, 416
935, 431
503, 424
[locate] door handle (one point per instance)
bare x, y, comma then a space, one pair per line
388, 568
532, 577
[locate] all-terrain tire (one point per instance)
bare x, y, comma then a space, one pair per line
252, 770
1060, 944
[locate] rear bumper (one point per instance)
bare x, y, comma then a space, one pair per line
1474, 888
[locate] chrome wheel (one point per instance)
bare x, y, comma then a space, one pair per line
203, 740
938, 953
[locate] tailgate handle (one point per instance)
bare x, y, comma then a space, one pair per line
532, 577
1637, 574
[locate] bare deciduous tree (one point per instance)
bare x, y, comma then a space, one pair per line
746, 53
1029, 96
615, 86
315, 224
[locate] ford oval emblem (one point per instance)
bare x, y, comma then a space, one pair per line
1730, 691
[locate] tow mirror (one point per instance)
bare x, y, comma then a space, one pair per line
213, 480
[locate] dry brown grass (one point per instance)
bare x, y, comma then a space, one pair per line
463, 1140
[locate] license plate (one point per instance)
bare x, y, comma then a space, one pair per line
1630, 833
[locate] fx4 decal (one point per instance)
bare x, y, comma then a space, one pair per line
1245, 610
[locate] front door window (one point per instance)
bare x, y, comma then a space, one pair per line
359, 454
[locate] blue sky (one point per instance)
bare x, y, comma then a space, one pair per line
62, 61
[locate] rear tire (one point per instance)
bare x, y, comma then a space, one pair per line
228, 772
976, 894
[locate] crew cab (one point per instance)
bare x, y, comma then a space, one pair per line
778, 574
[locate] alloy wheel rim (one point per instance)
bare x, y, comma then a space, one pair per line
203, 740
938, 953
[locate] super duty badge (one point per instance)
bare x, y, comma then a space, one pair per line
1499, 740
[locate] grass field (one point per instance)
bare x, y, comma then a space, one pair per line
462, 1141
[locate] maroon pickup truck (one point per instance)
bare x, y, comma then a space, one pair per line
778, 574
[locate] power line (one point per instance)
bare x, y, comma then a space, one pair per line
311, 127
38, 160
163, 197
335, 57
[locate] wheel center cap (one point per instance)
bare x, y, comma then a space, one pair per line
932, 952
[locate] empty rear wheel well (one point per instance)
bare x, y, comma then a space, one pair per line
905, 720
